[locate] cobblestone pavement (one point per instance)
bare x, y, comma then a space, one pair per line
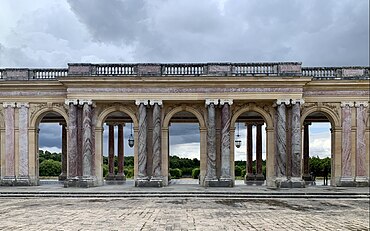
182, 214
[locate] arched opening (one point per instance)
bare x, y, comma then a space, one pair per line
184, 149
118, 147
250, 149
51, 148
317, 158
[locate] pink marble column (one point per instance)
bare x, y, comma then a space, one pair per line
156, 140
86, 140
306, 151
281, 138
120, 151
346, 138
63, 174
249, 151
23, 139
9, 140
259, 149
361, 109
211, 140
111, 151
72, 140
225, 139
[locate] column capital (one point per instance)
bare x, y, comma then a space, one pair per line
345, 103
71, 101
228, 101
9, 104
85, 101
210, 101
155, 101
294, 101
141, 101
364, 104
23, 104
282, 101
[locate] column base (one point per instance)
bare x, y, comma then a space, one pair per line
222, 182
362, 181
307, 177
259, 179
249, 179
118, 180
62, 177
23, 181
146, 182
346, 181
8, 181
80, 182
110, 177
294, 182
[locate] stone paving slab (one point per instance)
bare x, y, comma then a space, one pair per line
182, 214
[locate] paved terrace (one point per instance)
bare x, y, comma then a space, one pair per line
188, 69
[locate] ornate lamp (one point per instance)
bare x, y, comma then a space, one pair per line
238, 142
131, 141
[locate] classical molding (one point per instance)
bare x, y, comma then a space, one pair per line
349, 103
228, 101
364, 104
141, 101
23, 104
210, 101
71, 101
155, 101
282, 101
9, 104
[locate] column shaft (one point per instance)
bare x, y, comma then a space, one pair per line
259, 149
225, 141
23, 140
64, 153
86, 141
296, 140
346, 141
211, 143
249, 150
120, 149
281, 154
142, 138
72, 141
306, 149
111, 150
9, 141
156, 168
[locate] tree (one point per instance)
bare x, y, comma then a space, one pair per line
50, 168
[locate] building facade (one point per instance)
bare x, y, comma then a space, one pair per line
284, 97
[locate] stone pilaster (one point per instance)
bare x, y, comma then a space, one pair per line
225, 143
306, 151
296, 154
142, 139
157, 151
120, 175
9, 116
346, 179
23, 174
211, 177
361, 169
63, 175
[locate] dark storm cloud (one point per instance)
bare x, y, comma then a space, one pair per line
50, 135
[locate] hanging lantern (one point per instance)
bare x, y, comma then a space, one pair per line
131, 141
238, 142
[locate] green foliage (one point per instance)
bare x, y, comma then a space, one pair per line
238, 170
129, 172
49, 156
50, 168
195, 173
317, 166
243, 173
176, 173
105, 170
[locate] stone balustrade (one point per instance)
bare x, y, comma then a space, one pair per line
188, 69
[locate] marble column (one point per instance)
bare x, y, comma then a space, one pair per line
9, 141
259, 175
211, 141
281, 138
23, 140
249, 172
225, 139
157, 152
346, 138
110, 152
142, 139
361, 169
86, 139
296, 138
63, 175
72, 139
306, 151
120, 174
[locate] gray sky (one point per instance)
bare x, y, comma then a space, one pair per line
52, 33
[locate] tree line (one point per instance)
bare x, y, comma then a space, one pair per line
50, 165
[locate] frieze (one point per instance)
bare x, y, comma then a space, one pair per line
336, 93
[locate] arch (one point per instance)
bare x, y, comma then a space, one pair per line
105, 113
192, 110
266, 117
35, 120
328, 112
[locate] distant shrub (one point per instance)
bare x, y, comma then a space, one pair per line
105, 170
50, 168
243, 173
176, 173
195, 173
129, 172
238, 170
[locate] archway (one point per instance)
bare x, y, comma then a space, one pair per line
250, 149
50, 159
317, 156
184, 142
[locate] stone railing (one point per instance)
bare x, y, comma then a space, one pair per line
283, 69
322, 73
